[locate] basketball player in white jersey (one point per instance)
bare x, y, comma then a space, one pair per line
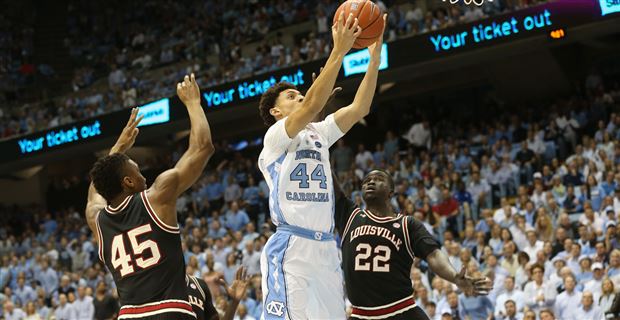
300, 265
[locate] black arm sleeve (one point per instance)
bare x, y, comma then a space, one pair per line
422, 242
344, 208
209, 308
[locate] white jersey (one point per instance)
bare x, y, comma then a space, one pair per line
299, 175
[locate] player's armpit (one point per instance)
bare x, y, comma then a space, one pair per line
94, 204
163, 194
422, 242
276, 142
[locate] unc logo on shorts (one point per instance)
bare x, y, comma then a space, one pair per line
276, 308
318, 235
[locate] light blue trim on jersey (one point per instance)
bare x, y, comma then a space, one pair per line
275, 178
306, 233
276, 302
331, 229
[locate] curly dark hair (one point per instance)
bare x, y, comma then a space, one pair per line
107, 174
268, 101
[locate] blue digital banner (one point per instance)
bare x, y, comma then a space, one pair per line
155, 112
55, 138
357, 62
490, 30
251, 88
609, 6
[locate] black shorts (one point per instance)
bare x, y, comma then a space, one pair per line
415, 313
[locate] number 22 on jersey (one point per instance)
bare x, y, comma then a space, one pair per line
380, 262
120, 257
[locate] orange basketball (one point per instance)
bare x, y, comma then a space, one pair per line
370, 20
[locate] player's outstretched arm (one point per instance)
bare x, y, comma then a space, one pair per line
95, 202
344, 34
348, 116
439, 264
169, 185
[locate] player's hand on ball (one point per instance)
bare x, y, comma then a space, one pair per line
334, 92
473, 286
130, 132
345, 32
239, 286
188, 91
375, 48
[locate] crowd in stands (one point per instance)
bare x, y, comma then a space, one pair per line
145, 48
529, 200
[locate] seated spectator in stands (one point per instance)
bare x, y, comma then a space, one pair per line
236, 218
607, 297
480, 192
448, 210
526, 160
511, 293
106, 307
509, 261
83, 304
363, 158
533, 244
567, 303
453, 307
23, 291
538, 293
587, 309
613, 269
476, 307
11, 313
419, 135
511, 312
64, 310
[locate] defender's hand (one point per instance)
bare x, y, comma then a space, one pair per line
334, 92
345, 33
188, 91
130, 132
473, 286
239, 286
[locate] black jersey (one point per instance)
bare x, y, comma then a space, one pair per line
377, 255
145, 258
200, 298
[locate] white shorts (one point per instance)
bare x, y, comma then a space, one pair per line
301, 279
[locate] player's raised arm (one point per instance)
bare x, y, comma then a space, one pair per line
348, 116
96, 202
344, 34
169, 185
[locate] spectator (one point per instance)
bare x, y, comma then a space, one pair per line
83, 305
607, 296
587, 309
419, 136
106, 307
510, 294
64, 310
232, 191
12, 313
363, 158
31, 312
236, 218
511, 312
567, 303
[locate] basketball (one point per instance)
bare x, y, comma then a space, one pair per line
369, 16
